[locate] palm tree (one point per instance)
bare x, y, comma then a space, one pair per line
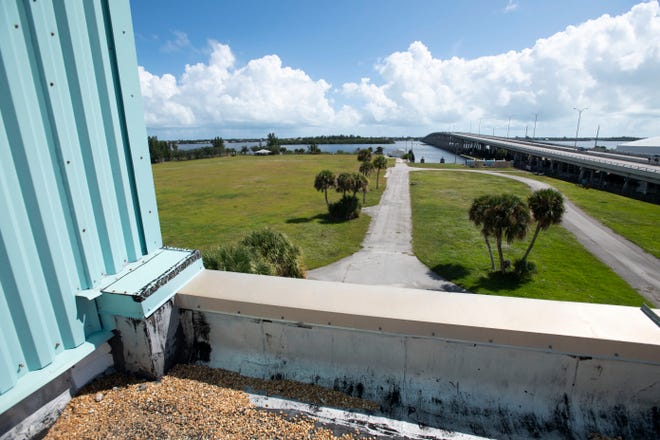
478, 214
508, 218
380, 163
345, 183
364, 186
547, 207
324, 181
366, 168
364, 155
359, 183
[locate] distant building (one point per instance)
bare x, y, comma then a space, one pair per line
644, 147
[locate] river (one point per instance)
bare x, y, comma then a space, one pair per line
429, 153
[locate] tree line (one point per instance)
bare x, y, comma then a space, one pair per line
164, 151
337, 139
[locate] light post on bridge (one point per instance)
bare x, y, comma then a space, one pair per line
577, 130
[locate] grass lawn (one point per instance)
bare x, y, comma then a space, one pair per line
447, 242
633, 219
209, 202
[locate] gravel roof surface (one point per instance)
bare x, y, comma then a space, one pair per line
195, 402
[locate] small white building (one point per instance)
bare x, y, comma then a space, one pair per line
648, 147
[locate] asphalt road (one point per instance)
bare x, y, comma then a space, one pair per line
640, 269
386, 256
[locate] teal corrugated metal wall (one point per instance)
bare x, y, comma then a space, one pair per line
77, 200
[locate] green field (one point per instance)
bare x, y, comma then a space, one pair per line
446, 241
633, 219
205, 203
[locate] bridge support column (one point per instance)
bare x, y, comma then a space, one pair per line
642, 187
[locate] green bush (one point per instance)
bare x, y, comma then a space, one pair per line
345, 209
237, 258
276, 249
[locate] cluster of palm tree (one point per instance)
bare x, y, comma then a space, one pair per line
367, 166
344, 183
506, 217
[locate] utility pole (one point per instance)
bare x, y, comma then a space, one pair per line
508, 126
536, 116
577, 130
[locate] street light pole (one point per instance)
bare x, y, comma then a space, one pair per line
508, 126
536, 116
577, 130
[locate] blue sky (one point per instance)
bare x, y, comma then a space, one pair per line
383, 67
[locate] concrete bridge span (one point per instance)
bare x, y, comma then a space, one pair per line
613, 172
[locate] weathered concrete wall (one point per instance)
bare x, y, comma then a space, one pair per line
485, 389
147, 346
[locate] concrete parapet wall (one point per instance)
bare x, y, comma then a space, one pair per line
512, 390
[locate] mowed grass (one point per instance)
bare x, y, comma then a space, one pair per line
211, 202
447, 242
633, 219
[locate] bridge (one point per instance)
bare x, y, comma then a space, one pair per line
629, 175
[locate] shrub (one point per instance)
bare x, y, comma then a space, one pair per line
237, 258
276, 249
345, 209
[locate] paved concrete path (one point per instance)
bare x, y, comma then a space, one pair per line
386, 256
640, 269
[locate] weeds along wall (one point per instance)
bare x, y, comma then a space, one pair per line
76, 189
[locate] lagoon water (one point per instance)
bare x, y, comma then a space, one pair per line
429, 153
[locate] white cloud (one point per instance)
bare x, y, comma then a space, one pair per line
510, 6
180, 42
263, 93
610, 64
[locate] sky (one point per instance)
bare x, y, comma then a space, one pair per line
245, 68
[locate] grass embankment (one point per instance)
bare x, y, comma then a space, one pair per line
209, 202
633, 219
447, 242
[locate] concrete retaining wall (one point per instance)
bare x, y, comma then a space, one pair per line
487, 390
531, 369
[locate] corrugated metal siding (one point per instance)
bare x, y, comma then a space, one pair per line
77, 201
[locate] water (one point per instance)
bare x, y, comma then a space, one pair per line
186, 147
429, 153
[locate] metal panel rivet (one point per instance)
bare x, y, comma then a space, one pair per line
57, 345
52, 84
52, 34
15, 26
68, 162
84, 230
21, 365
